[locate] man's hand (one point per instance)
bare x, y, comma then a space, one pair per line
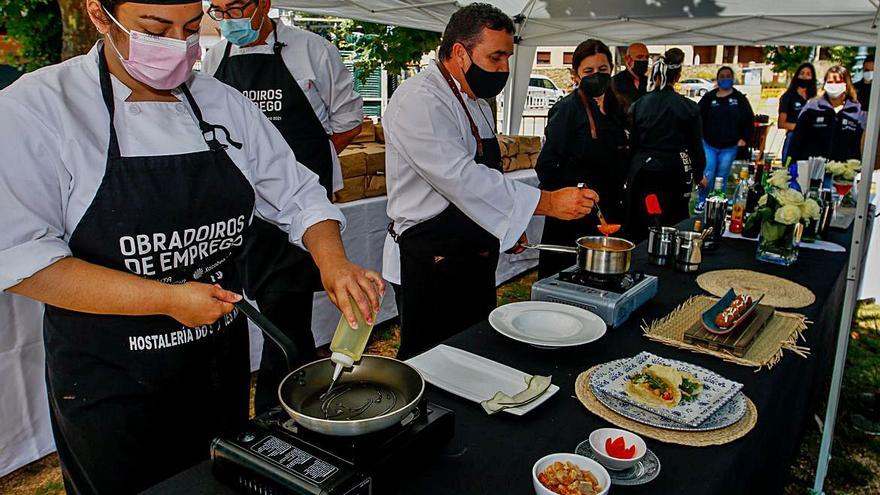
568, 203
741, 143
704, 182
519, 246
345, 282
194, 303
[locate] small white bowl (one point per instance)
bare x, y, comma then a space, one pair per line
582, 462
597, 442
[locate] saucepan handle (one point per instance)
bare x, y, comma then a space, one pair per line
271, 331
552, 247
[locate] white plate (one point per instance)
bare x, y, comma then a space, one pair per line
547, 324
474, 377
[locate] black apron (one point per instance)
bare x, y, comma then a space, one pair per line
269, 261
447, 266
602, 169
136, 399
668, 175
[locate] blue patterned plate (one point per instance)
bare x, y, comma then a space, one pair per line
726, 415
709, 315
717, 390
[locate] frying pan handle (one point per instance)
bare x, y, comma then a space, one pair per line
288, 348
552, 247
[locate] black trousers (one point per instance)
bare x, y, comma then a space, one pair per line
443, 295
669, 188
291, 311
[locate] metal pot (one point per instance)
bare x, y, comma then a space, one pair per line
302, 388
597, 254
689, 250
661, 242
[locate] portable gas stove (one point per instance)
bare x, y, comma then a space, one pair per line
612, 298
273, 456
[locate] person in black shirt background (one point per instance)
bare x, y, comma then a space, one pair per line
667, 149
801, 88
728, 121
833, 125
632, 83
863, 87
586, 142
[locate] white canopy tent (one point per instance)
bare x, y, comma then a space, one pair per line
693, 22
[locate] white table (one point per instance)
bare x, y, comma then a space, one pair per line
25, 433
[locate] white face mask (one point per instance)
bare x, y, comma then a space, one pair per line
835, 89
868, 75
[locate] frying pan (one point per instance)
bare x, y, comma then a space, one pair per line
377, 393
597, 254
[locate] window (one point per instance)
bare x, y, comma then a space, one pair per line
543, 58
535, 82
566, 57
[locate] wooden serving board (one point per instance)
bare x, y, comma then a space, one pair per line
736, 342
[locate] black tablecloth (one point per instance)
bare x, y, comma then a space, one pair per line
495, 454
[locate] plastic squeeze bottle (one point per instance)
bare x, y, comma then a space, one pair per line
348, 343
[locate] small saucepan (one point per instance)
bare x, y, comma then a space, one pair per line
597, 254
377, 393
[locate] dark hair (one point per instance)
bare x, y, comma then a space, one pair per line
868, 60
811, 89
612, 100
110, 5
673, 56
724, 68
466, 26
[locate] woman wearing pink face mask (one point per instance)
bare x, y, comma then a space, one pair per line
831, 125
127, 186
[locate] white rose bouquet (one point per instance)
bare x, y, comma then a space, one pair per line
780, 212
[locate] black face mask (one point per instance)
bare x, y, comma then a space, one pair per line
804, 83
595, 85
483, 83
640, 67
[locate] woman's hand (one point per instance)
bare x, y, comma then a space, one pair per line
704, 182
194, 304
346, 281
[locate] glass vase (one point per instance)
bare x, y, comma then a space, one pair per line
778, 243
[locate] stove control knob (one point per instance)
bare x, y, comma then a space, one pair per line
247, 437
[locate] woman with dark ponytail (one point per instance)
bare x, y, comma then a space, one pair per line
585, 143
667, 148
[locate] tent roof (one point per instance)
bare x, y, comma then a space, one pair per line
620, 22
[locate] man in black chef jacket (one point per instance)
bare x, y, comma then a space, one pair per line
863, 87
631, 84
452, 209
299, 82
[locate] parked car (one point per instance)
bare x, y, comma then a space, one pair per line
543, 93
695, 86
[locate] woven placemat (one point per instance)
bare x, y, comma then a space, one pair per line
778, 292
690, 438
782, 332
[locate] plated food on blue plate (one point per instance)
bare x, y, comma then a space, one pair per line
729, 312
665, 386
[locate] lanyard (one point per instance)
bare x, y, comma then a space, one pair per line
457, 93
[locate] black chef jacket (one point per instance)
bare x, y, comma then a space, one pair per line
791, 103
863, 90
665, 121
625, 86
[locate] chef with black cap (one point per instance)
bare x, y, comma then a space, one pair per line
631, 83
452, 209
298, 80
127, 188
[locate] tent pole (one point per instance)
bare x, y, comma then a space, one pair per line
853, 278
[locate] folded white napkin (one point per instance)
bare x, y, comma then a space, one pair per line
535, 387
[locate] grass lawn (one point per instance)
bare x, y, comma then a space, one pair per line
855, 464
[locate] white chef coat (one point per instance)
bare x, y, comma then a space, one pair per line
429, 161
54, 133
318, 69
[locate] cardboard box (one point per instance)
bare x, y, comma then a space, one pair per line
368, 132
529, 144
353, 161
375, 186
353, 190
375, 158
380, 133
533, 159
508, 145
520, 162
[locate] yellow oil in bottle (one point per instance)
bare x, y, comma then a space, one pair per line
348, 343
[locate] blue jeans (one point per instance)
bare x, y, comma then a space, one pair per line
718, 164
786, 146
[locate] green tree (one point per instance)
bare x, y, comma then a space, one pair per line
378, 45
843, 55
787, 58
35, 26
